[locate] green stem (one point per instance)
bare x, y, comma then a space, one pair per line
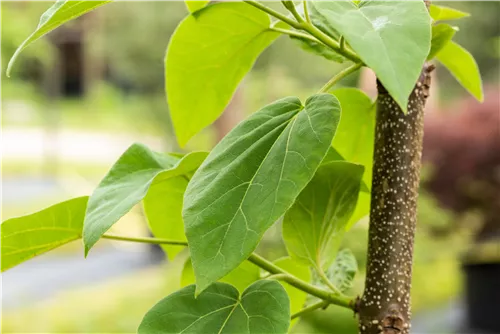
342, 74
310, 28
291, 8
262, 263
146, 240
310, 308
295, 34
274, 13
342, 43
306, 12
300, 284
325, 279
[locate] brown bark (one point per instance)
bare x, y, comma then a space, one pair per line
385, 305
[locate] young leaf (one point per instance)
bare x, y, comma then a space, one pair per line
262, 308
314, 226
163, 209
193, 6
463, 67
297, 297
208, 55
342, 271
61, 11
127, 183
441, 34
392, 38
26, 237
241, 277
442, 13
251, 178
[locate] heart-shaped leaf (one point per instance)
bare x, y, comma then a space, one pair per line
127, 183
441, 34
442, 13
241, 277
262, 308
26, 237
61, 11
391, 37
193, 6
463, 67
314, 226
208, 55
251, 178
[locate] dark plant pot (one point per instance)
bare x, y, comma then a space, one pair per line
482, 296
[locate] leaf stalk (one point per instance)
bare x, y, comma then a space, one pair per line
342, 74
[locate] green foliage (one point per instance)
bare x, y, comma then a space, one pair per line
343, 270
209, 54
297, 297
443, 13
441, 34
463, 67
62, 11
314, 226
193, 6
163, 209
26, 237
251, 178
127, 183
241, 277
262, 308
378, 31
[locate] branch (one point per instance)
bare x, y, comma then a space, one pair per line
310, 308
262, 263
342, 74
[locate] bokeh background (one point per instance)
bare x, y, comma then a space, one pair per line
80, 96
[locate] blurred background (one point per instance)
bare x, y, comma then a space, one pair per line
81, 95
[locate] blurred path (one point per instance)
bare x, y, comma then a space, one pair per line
45, 276
69, 145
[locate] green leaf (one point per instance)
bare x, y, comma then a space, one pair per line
127, 183
61, 11
26, 237
342, 271
163, 210
262, 308
392, 38
314, 226
354, 141
442, 13
251, 178
193, 6
441, 34
297, 297
463, 67
241, 277
207, 57
318, 49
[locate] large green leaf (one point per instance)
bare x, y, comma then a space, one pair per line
251, 178
163, 209
26, 237
297, 297
241, 277
207, 57
314, 226
61, 11
127, 183
441, 34
341, 272
463, 67
442, 13
391, 37
262, 308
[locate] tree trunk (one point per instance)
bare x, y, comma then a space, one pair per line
385, 305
